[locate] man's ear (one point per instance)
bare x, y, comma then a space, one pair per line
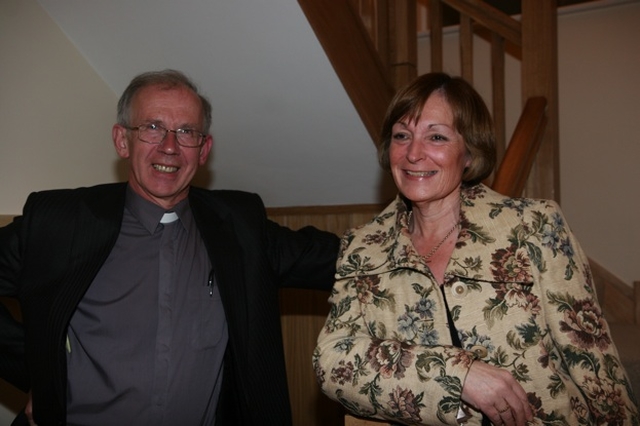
205, 149
120, 140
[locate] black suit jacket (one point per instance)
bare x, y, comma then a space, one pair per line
50, 255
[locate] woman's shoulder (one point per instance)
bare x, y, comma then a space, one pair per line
373, 239
482, 199
388, 220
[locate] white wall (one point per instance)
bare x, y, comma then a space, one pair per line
47, 87
55, 112
599, 86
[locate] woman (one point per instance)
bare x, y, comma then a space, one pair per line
457, 305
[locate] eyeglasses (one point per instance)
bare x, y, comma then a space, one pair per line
155, 134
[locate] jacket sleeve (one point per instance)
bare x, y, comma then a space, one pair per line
375, 373
304, 258
579, 329
12, 363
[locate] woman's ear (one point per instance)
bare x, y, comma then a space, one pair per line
120, 140
469, 160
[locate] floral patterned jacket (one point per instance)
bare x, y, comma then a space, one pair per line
521, 297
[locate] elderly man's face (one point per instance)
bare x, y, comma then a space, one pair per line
162, 173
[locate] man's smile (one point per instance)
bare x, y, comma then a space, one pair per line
165, 169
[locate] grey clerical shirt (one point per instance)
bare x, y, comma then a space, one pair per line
146, 343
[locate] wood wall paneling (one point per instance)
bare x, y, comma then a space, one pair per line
304, 312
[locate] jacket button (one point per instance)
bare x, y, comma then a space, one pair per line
459, 289
480, 351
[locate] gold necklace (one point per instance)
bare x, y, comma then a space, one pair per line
437, 246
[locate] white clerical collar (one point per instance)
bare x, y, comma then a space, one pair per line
169, 217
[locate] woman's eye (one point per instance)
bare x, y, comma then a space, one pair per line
438, 138
400, 136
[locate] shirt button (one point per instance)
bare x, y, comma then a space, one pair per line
480, 351
459, 289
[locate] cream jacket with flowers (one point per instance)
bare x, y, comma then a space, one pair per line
521, 297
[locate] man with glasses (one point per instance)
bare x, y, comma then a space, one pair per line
153, 302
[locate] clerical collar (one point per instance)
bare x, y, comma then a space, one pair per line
168, 217
150, 214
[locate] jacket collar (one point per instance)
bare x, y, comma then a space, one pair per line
383, 245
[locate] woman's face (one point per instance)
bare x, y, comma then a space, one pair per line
428, 157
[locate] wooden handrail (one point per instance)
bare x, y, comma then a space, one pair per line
513, 171
489, 17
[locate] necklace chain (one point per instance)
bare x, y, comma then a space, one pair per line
437, 246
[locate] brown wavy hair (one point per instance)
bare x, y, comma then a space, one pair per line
471, 119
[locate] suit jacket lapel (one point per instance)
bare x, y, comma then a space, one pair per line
94, 230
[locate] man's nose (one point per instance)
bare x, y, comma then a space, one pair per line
170, 142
